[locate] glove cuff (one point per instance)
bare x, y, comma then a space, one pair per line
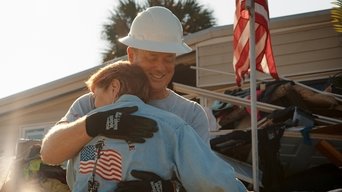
172, 186
177, 187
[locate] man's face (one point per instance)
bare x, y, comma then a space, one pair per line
159, 67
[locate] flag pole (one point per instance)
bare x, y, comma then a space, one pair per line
251, 9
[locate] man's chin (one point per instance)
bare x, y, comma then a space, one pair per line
157, 86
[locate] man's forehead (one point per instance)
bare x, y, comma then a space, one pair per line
157, 53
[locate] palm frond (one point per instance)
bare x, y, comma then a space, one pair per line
336, 15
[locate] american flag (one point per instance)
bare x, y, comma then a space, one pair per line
263, 49
108, 165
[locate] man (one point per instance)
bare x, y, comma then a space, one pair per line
156, 36
174, 149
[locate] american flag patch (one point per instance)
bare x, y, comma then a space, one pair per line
108, 165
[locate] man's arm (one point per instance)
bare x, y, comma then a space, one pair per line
201, 124
63, 141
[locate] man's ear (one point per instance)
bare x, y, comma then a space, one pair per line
130, 54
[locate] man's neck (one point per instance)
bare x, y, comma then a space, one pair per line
160, 94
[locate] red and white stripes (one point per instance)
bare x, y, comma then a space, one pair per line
264, 55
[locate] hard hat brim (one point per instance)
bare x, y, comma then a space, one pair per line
156, 46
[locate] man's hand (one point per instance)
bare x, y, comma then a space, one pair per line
149, 182
120, 124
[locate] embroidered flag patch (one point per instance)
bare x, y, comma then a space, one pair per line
108, 165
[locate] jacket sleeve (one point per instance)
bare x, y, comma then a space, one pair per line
199, 168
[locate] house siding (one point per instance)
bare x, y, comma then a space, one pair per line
302, 43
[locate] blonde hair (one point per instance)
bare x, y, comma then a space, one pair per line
132, 79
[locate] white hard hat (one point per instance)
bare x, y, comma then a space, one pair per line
156, 29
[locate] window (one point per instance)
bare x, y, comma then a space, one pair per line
34, 132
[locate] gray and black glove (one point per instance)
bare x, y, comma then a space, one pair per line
149, 182
121, 124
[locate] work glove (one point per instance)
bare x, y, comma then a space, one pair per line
149, 182
120, 124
